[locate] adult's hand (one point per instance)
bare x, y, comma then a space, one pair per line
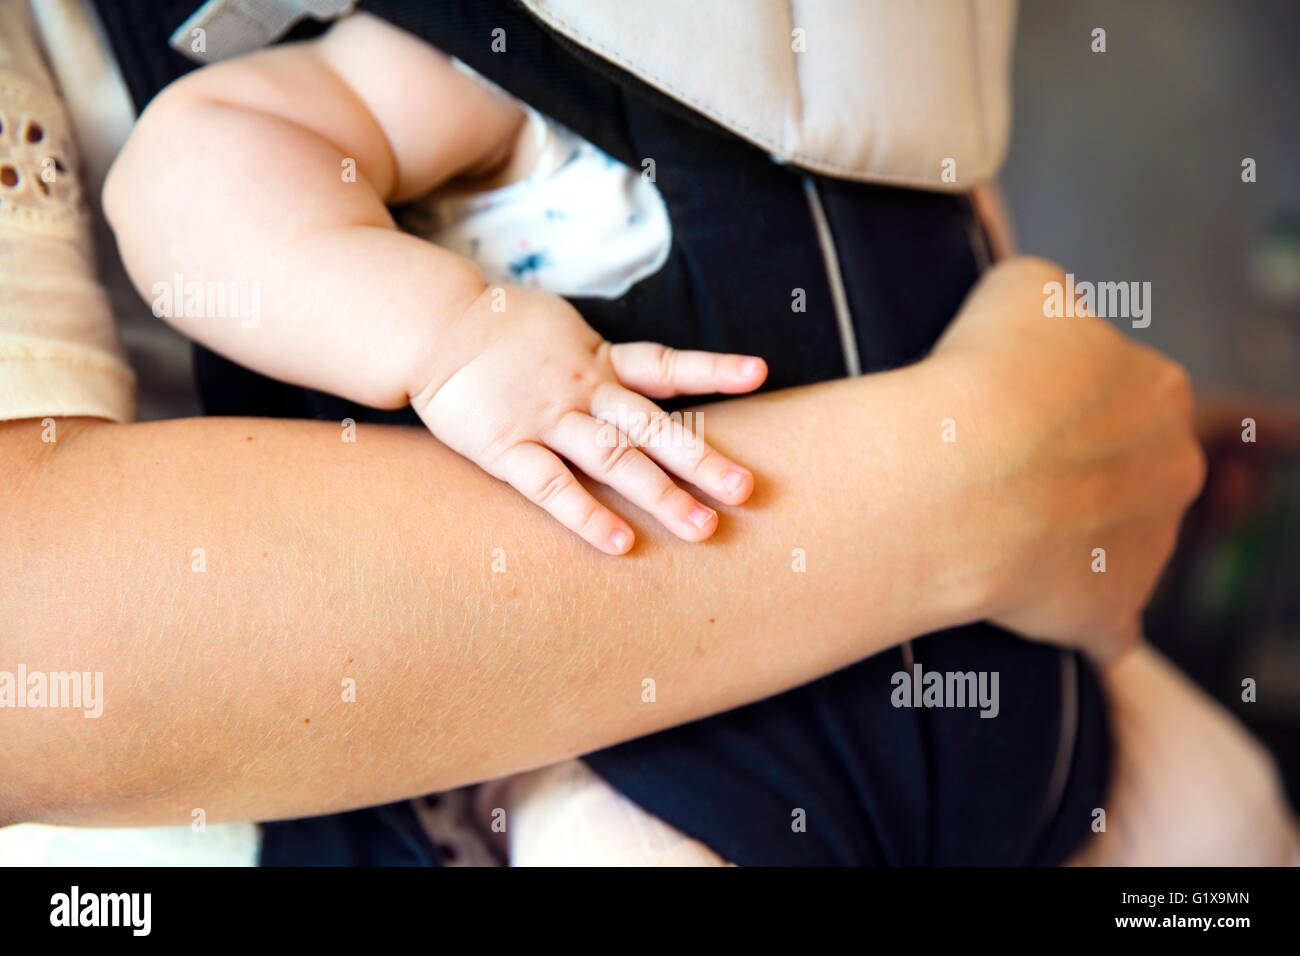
1085, 460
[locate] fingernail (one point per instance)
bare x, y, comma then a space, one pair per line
620, 540
701, 516
749, 367
732, 480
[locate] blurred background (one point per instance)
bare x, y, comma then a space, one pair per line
1126, 165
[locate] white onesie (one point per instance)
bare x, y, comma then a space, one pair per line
580, 224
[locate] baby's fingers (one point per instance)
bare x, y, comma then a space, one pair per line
662, 372
607, 455
541, 477
679, 449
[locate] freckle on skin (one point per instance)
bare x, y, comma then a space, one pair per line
711, 620
306, 720
249, 438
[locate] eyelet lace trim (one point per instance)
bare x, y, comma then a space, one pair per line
39, 188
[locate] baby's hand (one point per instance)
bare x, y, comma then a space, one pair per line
539, 383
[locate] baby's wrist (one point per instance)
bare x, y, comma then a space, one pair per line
446, 342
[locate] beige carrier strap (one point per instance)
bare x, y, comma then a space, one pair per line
905, 92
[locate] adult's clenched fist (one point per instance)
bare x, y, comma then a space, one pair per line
1084, 460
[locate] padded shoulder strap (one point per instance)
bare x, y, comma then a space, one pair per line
911, 94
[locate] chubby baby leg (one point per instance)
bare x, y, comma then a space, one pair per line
1191, 787
565, 815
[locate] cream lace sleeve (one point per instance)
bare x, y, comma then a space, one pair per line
59, 350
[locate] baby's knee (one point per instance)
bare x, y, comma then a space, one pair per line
565, 815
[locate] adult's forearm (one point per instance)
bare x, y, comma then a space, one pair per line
482, 638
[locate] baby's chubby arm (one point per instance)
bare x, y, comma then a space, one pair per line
276, 170
236, 173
